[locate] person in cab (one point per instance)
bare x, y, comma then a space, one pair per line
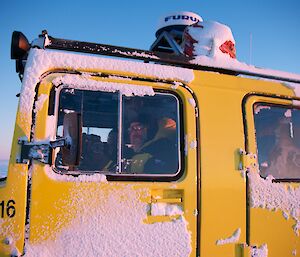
153, 145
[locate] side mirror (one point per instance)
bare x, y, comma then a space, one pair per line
72, 132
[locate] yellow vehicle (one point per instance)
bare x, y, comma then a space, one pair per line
155, 156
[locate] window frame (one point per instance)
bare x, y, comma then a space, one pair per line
249, 125
131, 177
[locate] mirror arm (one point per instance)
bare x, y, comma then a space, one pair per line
40, 151
59, 143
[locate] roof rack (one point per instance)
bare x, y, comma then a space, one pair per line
144, 55
149, 56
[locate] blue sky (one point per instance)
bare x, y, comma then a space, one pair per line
274, 26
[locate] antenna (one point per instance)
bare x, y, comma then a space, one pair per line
250, 48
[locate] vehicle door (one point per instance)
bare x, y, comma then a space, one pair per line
133, 191
273, 135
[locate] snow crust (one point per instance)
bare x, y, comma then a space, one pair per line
261, 107
10, 237
135, 53
232, 239
95, 177
192, 102
193, 144
275, 196
203, 41
51, 127
208, 36
85, 82
40, 61
165, 209
288, 113
240, 66
40, 102
295, 87
112, 225
261, 251
176, 84
47, 41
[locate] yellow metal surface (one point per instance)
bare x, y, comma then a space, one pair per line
13, 196
223, 187
270, 227
50, 210
222, 196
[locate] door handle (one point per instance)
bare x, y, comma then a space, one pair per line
166, 204
166, 200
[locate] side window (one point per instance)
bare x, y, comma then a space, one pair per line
150, 135
99, 111
278, 141
124, 135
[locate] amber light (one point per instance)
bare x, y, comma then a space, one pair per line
19, 45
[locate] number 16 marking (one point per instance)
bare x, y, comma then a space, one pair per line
8, 210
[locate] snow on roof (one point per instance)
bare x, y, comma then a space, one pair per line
87, 83
212, 44
235, 65
109, 225
39, 61
207, 38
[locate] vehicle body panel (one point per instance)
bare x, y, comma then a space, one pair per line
214, 193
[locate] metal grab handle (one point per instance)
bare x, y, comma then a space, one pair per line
166, 200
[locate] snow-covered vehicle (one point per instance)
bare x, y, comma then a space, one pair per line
161, 154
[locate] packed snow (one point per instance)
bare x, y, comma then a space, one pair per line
275, 196
120, 229
193, 144
165, 209
85, 82
207, 38
10, 237
176, 84
40, 102
51, 128
192, 102
261, 251
212, 44
232, 239
40, 61
81, 178
261, 107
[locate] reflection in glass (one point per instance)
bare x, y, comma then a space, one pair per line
278, 141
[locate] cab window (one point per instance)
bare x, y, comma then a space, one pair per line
278, 141
136, 135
